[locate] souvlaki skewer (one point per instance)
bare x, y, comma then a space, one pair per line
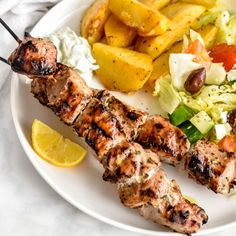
141, 182
111, 128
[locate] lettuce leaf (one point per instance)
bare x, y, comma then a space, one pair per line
225, 21
168, 97
227, 28
212, 99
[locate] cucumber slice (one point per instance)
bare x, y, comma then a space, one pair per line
181, 114
202, 122
191, 131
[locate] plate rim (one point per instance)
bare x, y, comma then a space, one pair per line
31, 155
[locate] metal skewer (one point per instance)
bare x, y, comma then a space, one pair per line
4, 60
10, 31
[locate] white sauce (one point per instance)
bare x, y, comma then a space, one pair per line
74, 51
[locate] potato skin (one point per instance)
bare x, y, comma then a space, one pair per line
156, 4
121, 69
137, 15
206, 3
117, 33
161, 64
161, 28
92, 23
183, 15
208, 33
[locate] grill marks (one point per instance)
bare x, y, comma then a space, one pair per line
212, 167
39, 89
172, 210
99, 127
142, 184
129, 163
164, 139
129, 117
64, 92
34, 57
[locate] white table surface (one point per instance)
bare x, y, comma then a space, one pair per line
28, 206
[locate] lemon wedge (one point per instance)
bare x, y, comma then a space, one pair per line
54, 148
190, 199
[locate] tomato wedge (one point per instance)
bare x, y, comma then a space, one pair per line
223, 53
199, 51
228, 143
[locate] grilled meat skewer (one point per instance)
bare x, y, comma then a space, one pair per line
67, 97
37, 57
110, 127
141, 182
63, 93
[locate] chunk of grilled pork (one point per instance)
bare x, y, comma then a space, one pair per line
65, 92
168, 141
211, 166
130, 118
34, 57
143, 185
99, 127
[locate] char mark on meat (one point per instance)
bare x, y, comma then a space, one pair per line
211, 166
129, 117
168, 141
65, 92
34, 57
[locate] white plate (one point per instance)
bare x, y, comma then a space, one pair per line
83, 186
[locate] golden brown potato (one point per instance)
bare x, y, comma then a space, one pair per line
103, 40
92, 24
155, 4
182, 16
137, 15
208, 33
161, 28
206, 3
121, 69
161, 64
131, 47
118, 34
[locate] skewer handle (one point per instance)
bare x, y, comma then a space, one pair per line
10, 30
4, 60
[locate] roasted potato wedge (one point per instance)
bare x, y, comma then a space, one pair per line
103, 40
161, 64
208, 33
92, 24
117, 33
206, 3
161, 28
137, 15
182, 16
121, 69
155, 4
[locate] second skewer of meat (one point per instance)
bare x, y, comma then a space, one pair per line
109, 127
